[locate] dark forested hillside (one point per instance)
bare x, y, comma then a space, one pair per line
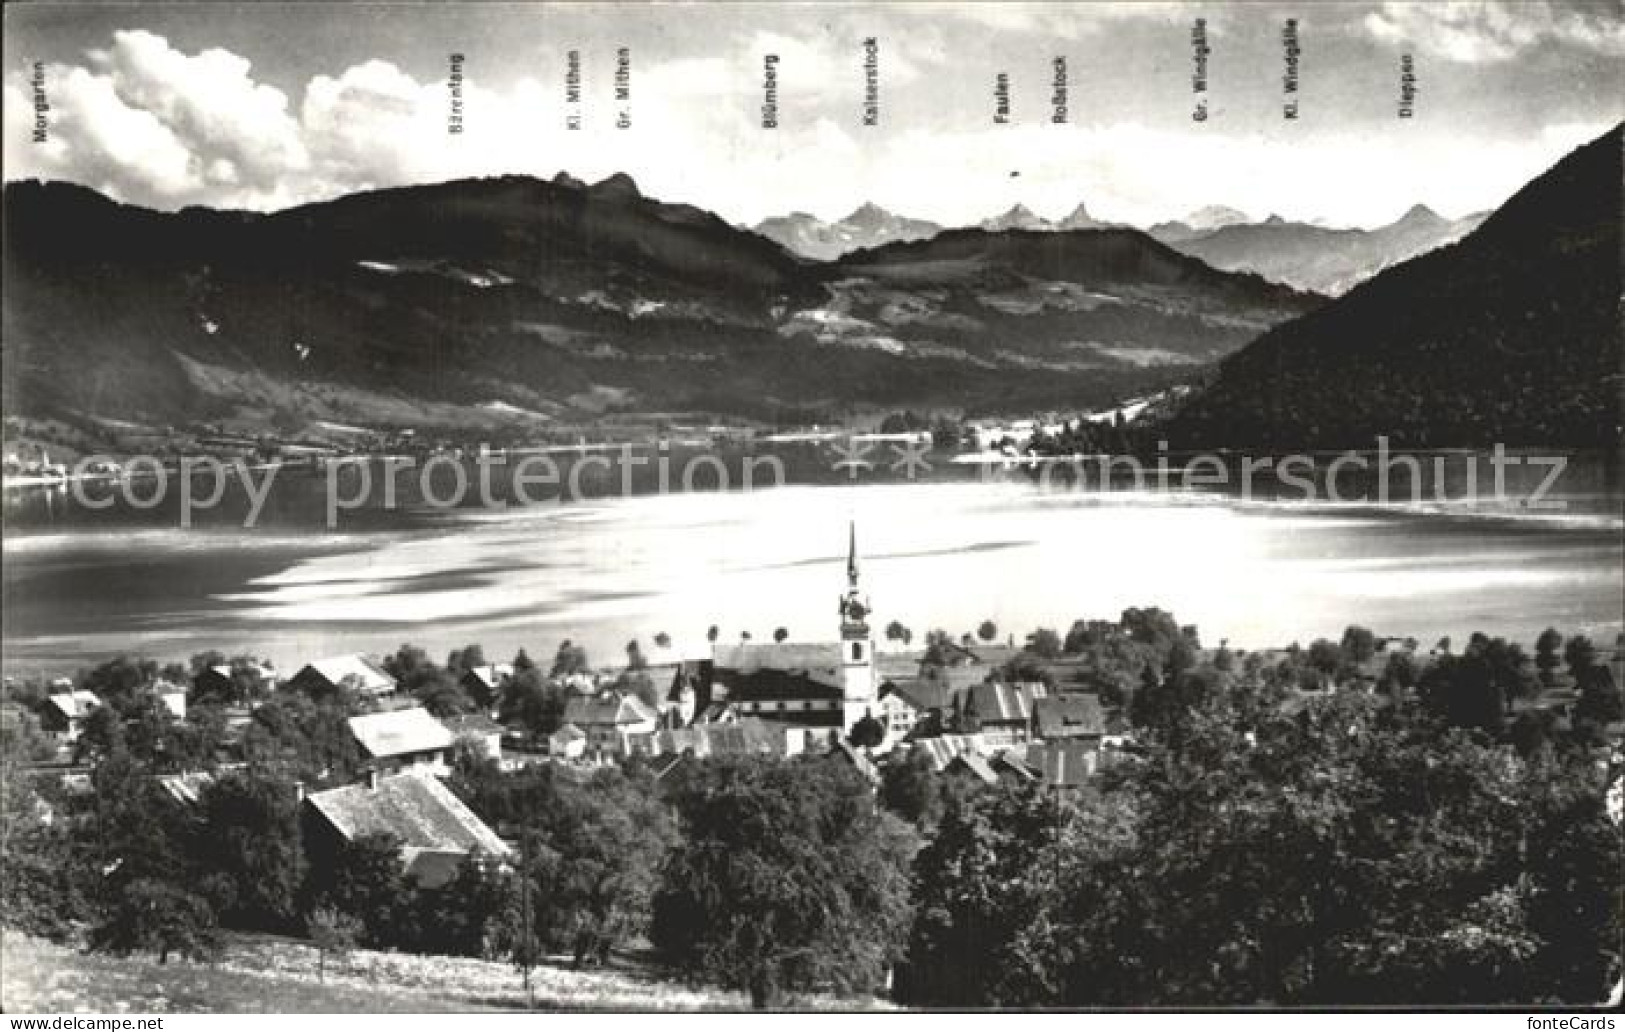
1511, 335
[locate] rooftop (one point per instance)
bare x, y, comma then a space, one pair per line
399, 732
415, 808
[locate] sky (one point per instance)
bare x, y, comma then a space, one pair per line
267, 105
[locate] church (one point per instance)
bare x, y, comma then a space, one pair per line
828, 684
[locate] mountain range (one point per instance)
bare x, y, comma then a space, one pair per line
1304, 255
868, 226
520, 298
1510, 335
1310, 257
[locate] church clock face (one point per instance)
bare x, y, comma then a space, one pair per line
855, 610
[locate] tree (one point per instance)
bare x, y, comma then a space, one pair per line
251, 838
663, 640
781, 634
635, 659
984, 885
1044, 643
1580, 655
867, 733
598, 866
531, 701
1181, 659
987, 630
1547, 652
158, 917
1359, 645
363, 877
787, 878
465, 659
570, 659
911, 789
895, 631
333, 933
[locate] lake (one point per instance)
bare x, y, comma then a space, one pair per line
946, 554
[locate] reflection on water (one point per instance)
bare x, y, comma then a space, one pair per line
934, 555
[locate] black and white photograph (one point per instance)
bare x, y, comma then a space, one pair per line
1113, 508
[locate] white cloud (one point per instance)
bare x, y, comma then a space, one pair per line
1480, 32
230, 122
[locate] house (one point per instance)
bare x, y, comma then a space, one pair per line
64, 713
172, 697
354, 672
568, 741
435, 829
1076, 716
402, 739
1065, 764
236, 679
973, 765
484, 684
480, 733
1003, 713
609, 718
186, 789
905, 703
941, 749
749, 736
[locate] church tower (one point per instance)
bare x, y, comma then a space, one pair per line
857, 645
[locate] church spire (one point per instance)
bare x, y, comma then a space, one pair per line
852, 553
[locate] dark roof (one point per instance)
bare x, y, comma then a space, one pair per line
996, 703
919, 693
415, 808
1069, 716
972, 763
1064, 764
770, 685
609, 708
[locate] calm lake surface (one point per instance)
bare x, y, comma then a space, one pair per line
943, 554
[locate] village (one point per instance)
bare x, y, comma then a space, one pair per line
1049, 714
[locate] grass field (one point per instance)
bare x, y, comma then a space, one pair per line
269, 975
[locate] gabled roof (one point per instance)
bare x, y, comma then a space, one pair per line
491, 674
997, 703
818, 661
415, 808
768, 685
750, 736
362, 673
941, 749
1065, 764
1069, 716
186, 789
610, 708
399, 732
1017, 763
264, 671
920, 694
74, 704
972, 763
